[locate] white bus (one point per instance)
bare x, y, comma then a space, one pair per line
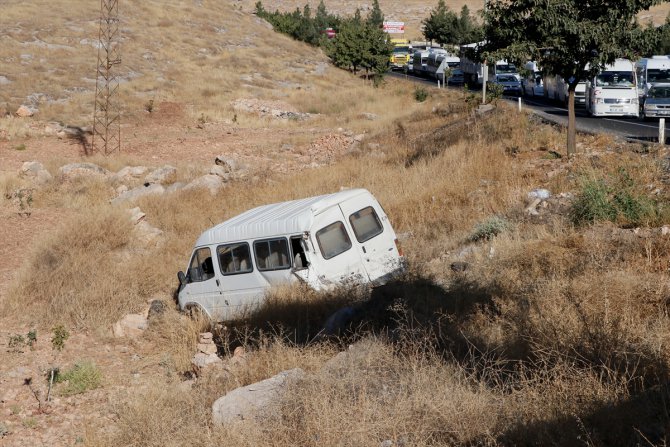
438, 61
420, 62
613, 91
650, 71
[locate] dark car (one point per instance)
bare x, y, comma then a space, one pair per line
657, 102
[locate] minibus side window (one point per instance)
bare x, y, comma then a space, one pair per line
298, 251
234, 258
272, 254
333, 240
201, 267
366, 224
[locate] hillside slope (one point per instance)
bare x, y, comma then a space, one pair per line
197, 52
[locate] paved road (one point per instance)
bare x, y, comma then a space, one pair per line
626, 127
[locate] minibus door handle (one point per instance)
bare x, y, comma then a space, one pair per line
363, 247
218, 284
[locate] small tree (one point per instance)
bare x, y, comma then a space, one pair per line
375, 16
441, 25
569, 38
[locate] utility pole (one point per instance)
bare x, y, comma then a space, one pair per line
107, 113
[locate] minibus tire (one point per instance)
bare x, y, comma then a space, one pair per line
196, 313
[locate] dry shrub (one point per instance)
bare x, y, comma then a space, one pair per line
84, 275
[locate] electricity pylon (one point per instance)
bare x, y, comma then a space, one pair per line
107, 113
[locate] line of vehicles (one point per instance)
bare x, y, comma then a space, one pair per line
624, 88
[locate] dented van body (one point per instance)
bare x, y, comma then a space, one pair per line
323, 241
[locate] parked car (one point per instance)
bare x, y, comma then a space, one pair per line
323, 241
510, 83
657, 102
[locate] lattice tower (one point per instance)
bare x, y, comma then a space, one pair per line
107, 113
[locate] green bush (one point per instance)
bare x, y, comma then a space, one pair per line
83, 376
494, 91
420, 94
615, 199
489, 228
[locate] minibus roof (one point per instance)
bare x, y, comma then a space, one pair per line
284, 218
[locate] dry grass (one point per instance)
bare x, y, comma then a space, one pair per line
552, 334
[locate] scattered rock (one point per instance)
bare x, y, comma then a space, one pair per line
205, 337
221, 172
36, 171
132, 326
359, 137
228, 164
81, 170
136, 215
30, 168
166, 174
25, 111
255, 401
146, 234
140, 191
202, 360
339, 321
209, 181
207, 348
531, 210
539, 193
369, 116
665, 230
130, 173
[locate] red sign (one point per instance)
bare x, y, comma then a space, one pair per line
394, 27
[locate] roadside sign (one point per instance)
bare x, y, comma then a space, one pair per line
394, 27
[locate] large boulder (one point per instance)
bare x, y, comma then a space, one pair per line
166, 174
82, 170
210, 181
255, 401
130, 173
131, 325
138, 192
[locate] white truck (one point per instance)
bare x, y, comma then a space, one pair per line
650, 71
323, 241
556, 88
613, 91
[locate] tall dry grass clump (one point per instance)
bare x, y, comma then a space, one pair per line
84, 275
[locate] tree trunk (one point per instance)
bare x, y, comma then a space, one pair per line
572, 131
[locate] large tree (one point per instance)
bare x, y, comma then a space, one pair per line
573, 39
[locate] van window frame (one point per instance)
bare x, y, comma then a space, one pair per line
195, 255
268, 240
318, 241
218, 257
377, 219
